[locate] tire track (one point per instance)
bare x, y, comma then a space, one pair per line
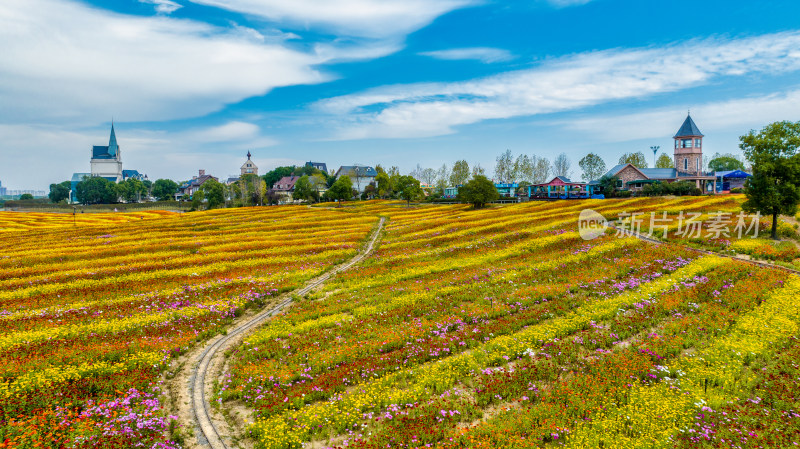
200, 374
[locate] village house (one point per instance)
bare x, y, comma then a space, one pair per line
360, 175
284, 188
687, 158
188, 188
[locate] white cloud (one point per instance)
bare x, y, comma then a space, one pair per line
484, 54
91, 63
164, 6
431, 109
363, 18
739, 115
231, 131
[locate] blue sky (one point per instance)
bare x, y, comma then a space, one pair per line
195, 84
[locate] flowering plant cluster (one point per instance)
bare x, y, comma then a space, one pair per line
496, 328
93, 311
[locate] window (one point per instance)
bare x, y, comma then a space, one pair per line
619, 183
676, 144
697, 143
698, 164
686, 143
685, 163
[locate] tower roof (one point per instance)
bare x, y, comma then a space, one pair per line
112, 142
688, 128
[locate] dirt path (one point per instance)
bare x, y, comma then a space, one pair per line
191, 388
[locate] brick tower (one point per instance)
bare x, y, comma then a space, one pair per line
689, 149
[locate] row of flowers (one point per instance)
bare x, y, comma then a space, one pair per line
92, 315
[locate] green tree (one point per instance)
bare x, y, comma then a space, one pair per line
774, 188
318, 182
478, 191
197, 200
636, 159
724, 162
252, 189
384, 184
442, 177
460, 173
370, 191
541, 169
131, 190
408, 188
214, 193
523, 169
302, 189
26, 196
609, 185
59, 192
271, 177
342, 189
148, 185
504, 167
165, 189
593, 167
96, 190
664, 161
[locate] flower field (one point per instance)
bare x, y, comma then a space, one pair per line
95, 308
504, 328
495, 328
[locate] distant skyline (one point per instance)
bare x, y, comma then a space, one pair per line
195, 84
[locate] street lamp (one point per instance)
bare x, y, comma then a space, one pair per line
655, 149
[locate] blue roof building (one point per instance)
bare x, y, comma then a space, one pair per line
361, 175
321, 166
106, 162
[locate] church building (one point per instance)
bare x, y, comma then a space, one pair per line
249, 167
106, 162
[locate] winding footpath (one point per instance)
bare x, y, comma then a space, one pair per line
201, 380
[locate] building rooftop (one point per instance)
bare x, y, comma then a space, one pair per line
362, 171
689, 129
659, 173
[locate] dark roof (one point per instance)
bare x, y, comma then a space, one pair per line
363, 171
106, 151
659, 173
689, 129
322, 166
112, 142
614, 170
101, 152
643, 181
564, 179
